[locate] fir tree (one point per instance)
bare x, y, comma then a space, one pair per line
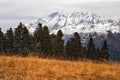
9, 37
79, 50
74, 48
53, 43
85, 52
104, 51
98, 54
38, 33
18, 38
46, 43
69, 49
38, 38
59, 44
91, 50
26, 43
2, 39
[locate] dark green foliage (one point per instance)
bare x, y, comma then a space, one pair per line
42, 40
104, 51
38, 38
9, 41
18, 38
98, 54
69, 48
26, 41
85, 52
2, 40
32, 47
46, 43
91, 50
38, 33
20, 41
53, 43
58, 45
78, 46
74, 47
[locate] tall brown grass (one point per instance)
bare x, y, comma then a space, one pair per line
31, 68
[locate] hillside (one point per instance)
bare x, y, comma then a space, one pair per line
31, 68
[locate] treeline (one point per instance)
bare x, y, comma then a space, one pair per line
20, 41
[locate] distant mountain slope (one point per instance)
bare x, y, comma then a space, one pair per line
87, 25
76, 22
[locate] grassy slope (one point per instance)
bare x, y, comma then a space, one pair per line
18, 68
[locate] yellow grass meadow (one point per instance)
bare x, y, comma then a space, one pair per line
32, 68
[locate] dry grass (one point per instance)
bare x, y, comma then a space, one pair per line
30, 68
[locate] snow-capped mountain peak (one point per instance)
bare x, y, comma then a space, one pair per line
53, 14
87, 25
76, 22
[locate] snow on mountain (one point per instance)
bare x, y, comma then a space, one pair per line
76, 22
87, 25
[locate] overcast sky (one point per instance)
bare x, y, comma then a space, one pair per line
14, 11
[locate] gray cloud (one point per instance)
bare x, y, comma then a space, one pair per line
27, 10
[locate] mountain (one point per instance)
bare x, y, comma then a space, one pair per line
87, 25
76, 22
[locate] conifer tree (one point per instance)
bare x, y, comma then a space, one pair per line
26, 43
53, 43
98, 54
91, 50
79, 50
69, 48
9, 37
46, 42
2, 39
104, 51
38, 33
59, 44
38, 38
85, 52
18, 38
74, 48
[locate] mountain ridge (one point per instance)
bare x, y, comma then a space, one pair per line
76, 22
87, 25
